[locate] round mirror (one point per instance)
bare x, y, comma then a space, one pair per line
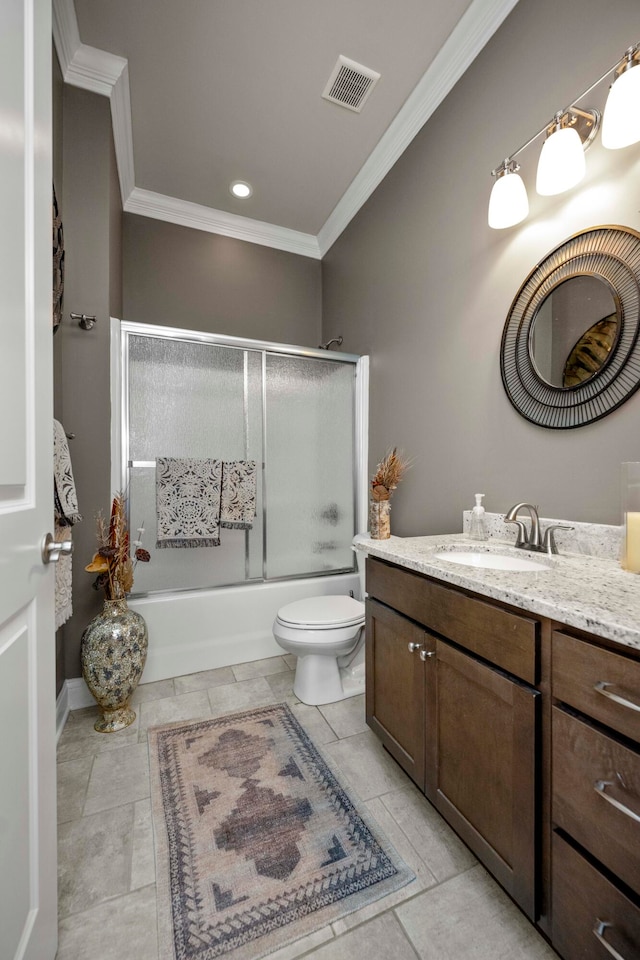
574, 331
571, 343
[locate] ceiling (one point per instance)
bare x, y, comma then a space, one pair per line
204, 92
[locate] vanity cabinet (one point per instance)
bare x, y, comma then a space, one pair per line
595, 807
525, 735
450, 694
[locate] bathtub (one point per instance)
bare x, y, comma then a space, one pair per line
204, 629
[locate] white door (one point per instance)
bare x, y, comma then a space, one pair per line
28, 927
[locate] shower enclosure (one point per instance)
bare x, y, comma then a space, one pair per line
300, 415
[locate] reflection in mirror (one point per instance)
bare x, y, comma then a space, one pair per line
574, 331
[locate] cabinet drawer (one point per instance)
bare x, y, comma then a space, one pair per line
506, 639
581, 899
589, 678
596, 794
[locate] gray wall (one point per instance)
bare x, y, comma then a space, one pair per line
420, 282
92, 260
180, 277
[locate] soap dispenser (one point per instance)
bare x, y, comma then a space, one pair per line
478, 529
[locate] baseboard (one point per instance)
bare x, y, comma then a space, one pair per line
74, 695
62, 710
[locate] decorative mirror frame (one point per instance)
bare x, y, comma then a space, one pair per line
611, 254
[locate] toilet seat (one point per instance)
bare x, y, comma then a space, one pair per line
322, 613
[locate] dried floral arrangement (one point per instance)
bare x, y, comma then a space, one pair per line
112, 562
388, 475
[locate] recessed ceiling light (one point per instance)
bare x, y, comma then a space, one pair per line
241, 189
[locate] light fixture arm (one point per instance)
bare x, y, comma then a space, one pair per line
630, 59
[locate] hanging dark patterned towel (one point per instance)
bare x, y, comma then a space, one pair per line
58, 264
238, 494
65, 515
188, 502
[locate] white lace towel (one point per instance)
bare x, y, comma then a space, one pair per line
64, 606
66, 514
188, 502
238, 494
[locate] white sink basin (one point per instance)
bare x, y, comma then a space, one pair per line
491, 561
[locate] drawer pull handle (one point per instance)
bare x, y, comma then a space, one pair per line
425, 654
598, 932
600, 787
601, 688
414, 646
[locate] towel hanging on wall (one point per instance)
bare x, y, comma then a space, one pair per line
188, 495
238, 507
66, 514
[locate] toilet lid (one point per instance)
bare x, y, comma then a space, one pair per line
319, 612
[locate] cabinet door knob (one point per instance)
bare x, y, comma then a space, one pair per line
414, 646
427, 653
598, 932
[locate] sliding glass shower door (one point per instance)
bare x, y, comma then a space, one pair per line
187, 396
310, 465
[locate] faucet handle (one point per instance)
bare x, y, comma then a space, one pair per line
521, 536
549, 541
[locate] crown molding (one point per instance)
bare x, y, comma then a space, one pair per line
198, 217
108, 75
470, 35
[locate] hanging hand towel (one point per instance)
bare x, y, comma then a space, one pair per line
64, 488
238, 494
188, 502
66, 514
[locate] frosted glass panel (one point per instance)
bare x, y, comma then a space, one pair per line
201, 400
185, 400
310, 465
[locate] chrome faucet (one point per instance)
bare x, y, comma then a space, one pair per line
530, 539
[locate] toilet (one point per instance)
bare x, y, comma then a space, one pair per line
326, 634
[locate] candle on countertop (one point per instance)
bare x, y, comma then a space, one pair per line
631, 555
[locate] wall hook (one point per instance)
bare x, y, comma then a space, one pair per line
84, 321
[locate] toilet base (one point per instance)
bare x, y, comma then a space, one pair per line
319, 680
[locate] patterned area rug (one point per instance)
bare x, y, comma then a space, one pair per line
257, 843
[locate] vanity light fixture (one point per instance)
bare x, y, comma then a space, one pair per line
621, 123
241, 189
508, 203
562, 163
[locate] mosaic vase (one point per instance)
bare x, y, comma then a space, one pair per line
380, 519
113, 653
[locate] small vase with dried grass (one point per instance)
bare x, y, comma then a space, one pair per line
388, 475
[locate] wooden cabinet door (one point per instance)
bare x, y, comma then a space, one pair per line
395, 694
480, 767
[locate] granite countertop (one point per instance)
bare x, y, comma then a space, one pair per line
587, 592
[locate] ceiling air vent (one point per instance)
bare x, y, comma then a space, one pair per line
350, 84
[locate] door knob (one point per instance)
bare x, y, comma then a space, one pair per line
52, 549
414, 646
424, 654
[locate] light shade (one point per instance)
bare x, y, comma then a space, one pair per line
508, 203
561, 164
621, 120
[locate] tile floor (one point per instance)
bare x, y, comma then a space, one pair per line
453, 910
